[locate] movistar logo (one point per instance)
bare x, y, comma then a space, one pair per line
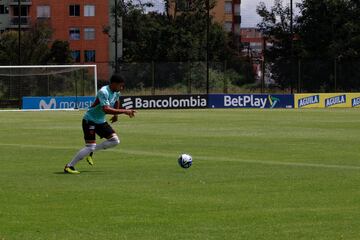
335, 100
302, 102
44, 105
273, 101
355, 102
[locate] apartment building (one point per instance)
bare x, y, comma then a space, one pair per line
80, 22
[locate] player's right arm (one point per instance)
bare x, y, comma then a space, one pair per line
109, 110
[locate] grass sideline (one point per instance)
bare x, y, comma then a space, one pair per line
257, 174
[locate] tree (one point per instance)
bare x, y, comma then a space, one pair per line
8, 42
34, 47
330, 36
326, 43
275, 26
60, 52
170, 39
34, 43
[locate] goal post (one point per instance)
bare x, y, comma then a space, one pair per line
32, 82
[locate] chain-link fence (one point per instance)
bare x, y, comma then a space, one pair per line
284, 76
173, 78
301, 75
159, 78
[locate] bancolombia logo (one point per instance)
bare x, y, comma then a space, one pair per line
153, 102
308, 101
335, 100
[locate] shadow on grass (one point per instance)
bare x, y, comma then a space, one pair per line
63, 173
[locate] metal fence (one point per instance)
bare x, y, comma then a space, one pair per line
287, 76
174, 78
300, 75
157, 78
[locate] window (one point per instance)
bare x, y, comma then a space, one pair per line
74, 33
76, 55
24, 11
3, 9
89, 55
228, 26
228, 7
43, 11
89, 10
89, 33
74, 10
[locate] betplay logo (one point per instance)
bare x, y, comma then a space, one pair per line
252, 101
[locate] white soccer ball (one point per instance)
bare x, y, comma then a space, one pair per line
185, 160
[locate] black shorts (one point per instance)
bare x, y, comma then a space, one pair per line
104, 130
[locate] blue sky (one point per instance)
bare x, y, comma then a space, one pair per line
248, 10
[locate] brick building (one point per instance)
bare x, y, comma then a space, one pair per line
80, 22
225, 12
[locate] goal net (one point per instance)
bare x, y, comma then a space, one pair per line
38, 87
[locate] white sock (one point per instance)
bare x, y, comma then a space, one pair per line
82, 153
111, 142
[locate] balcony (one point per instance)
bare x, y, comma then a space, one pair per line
24, 22
23, 2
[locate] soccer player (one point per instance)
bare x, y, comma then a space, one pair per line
94, 122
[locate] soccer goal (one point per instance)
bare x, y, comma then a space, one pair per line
25, 86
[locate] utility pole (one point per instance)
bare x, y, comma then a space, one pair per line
291, 17
263, 69
207, 46
292, 47
116, 38
19, 32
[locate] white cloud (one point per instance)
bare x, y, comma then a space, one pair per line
248, 11
158, 6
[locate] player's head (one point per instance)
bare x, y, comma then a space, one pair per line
117, 82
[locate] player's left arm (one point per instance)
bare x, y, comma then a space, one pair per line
115, 117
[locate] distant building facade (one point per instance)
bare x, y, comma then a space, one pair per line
225, 12
79, 22
254, 44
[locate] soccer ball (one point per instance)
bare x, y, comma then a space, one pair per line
185, 160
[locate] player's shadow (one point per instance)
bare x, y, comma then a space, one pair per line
84, 171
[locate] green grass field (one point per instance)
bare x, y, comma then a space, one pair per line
257, 174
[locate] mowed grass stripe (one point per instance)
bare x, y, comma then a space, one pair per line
171, 156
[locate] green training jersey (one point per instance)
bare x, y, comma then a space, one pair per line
104, 97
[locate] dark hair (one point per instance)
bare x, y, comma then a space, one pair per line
116, 78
